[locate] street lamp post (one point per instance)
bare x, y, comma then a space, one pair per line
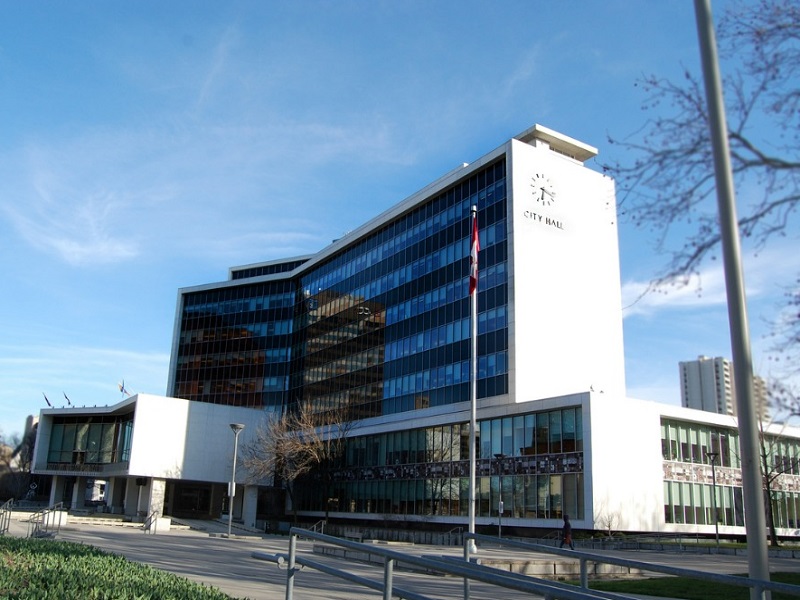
237, 429
712, 456
499, 458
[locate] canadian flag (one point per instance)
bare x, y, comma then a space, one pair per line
473, 256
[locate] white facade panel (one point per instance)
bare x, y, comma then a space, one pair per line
178, 439
566, 321
623, 464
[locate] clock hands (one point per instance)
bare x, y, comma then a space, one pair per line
541, 191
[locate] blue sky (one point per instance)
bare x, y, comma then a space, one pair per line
149, 146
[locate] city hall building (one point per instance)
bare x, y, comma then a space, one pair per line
376, 329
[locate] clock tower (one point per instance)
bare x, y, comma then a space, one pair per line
565, 280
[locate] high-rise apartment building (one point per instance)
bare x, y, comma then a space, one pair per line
707, 384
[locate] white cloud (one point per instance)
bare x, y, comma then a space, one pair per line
706, 289
87, 375
765, 275
108, 196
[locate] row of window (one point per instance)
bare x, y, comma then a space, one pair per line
692, 503
545, 433
482, 189
95, 441
247, 359
523, 497
272, 269
489, 365
414, 270
491, 320
444, 295
234, 300
692, 442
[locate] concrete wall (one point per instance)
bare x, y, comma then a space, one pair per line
624, 474
566, 321
178, 439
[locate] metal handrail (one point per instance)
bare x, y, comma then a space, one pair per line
459, 532
40, 523
5, 516
468, 570
319, 524
150, 524
758, 585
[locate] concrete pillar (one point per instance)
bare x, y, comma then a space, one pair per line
131, 502
218, 492
143, 498
56, 489
79, 493
157, 490
249, 504
114, 488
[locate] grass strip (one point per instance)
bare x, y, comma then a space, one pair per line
40, 569
691, 589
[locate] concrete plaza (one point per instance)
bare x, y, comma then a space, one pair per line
212, 559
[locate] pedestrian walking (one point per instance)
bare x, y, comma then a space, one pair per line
566, 534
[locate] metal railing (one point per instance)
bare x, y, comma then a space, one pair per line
5, 516
46, 522
456, 533
150, 524
319, 526
470, 571
585, 558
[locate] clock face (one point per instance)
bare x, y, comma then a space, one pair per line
542, 189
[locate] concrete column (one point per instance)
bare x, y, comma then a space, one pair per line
131, 503
56, 489
157, 489
143, 497
218, 491
249, 504
79, 493
114, 486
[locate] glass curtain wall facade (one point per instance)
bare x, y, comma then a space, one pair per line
380, 327
235, 345
690, 495
535, 461
89, 442
383, 327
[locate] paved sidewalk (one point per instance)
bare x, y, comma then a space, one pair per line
211, 558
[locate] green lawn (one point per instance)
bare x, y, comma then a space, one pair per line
691, 589
39, 569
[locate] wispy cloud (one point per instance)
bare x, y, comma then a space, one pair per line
705, 289
765, 275
219, 60
109, 196
88, 375
80, 232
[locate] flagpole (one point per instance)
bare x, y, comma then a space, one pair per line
473, 372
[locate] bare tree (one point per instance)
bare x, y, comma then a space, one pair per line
16, 455
606, 518
669, 186
784, 397
301, 442
774, 465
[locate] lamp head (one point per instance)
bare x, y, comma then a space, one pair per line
237, 427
